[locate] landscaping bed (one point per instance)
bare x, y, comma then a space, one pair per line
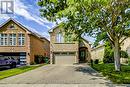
108, 71
19, 70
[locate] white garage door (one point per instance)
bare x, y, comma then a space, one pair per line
65, 58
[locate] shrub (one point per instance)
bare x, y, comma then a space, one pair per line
128, 60
96, 61
39, 59
32, 63
91, 62
46, 60
124, 54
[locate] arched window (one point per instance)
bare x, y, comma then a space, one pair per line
59, 38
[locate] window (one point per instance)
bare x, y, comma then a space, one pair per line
3, 39
12, 39
11, 26
59, 38
21, 39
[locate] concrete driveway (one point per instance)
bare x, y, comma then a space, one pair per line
56, 74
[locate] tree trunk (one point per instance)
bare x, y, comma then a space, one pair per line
117, 56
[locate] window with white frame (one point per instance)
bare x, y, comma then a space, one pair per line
12, 39
3, 39
21, 39
59, 38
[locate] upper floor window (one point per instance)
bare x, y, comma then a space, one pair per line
21, 39
3, 39
59, 38
12, 39
12, 26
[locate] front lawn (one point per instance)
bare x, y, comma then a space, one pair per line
16, 71
107, 70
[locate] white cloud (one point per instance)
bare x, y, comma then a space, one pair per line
43, 33
25, 10
22, 10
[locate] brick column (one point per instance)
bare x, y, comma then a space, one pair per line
51, 57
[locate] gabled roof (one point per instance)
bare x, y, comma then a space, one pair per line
52, 29
99, 46
23, 27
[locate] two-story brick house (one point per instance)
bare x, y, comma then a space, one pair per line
64, 50
20, 43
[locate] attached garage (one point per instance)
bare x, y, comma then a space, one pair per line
62, 58
20, 57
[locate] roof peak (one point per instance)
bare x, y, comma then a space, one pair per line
22, 26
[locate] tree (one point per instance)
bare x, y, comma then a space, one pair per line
91, 17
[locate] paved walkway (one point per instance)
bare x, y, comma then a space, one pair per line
55, 74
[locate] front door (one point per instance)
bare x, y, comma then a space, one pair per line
82, 56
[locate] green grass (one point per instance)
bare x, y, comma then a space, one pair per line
16, 71
108, 70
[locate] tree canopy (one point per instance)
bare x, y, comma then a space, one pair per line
103, 19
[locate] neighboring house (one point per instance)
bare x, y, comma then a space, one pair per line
98, 53
20, 43
64, 50
126, 45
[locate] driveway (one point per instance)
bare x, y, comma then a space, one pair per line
56, 74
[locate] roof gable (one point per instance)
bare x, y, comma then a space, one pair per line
23, 27
17, 23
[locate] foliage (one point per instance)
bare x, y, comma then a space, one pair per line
32, 63
128, 60
124, 54
91, 63
107, 70
92, 17
41, 59
96, 61
108, 53
16, 71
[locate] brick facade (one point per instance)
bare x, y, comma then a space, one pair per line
66, 47
34, 45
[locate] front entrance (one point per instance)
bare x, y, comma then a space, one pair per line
82, 55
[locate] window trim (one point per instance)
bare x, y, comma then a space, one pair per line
4, 39
12, 43
59, 38
22, 39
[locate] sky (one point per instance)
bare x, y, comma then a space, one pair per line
27, 13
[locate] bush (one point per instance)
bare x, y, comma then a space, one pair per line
46, 60
91, 62
124, 54
96, 61
128, 60
32, 63
41, 59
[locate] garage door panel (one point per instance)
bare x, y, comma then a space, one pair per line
65, 59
